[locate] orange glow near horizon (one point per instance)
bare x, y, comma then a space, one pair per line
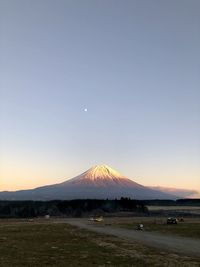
19, 178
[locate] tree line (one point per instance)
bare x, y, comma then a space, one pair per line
178, 202
70, 208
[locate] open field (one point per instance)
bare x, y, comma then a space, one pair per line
184, 208
189, 210
55, 243
174, 243
189, 228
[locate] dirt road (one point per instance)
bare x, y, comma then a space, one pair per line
187, 246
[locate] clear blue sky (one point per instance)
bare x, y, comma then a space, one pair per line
135, 65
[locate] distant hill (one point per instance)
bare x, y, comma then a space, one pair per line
99, 182
181, 193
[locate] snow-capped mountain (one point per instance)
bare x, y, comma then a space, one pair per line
99, 182
101, 175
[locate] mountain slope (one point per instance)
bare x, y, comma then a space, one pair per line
99, 182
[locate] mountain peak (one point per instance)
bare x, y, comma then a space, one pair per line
102, 172
99, 174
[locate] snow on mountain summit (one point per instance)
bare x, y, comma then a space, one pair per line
101, 175
102, 172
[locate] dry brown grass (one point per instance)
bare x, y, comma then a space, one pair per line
54, 243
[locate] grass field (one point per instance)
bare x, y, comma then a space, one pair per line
57, 244
178, 209
189, 228
182, 208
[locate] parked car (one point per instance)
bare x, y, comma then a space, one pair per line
96, 219
172, 220
140, 226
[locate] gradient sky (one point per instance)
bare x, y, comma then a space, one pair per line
134, 64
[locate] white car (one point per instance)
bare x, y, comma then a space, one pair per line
96, 219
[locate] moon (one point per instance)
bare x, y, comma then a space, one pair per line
85, 109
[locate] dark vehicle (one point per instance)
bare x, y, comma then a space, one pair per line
172, 221
140, 227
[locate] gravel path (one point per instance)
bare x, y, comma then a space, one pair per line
184, 245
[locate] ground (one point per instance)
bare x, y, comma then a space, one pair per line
56, 243
189, 228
